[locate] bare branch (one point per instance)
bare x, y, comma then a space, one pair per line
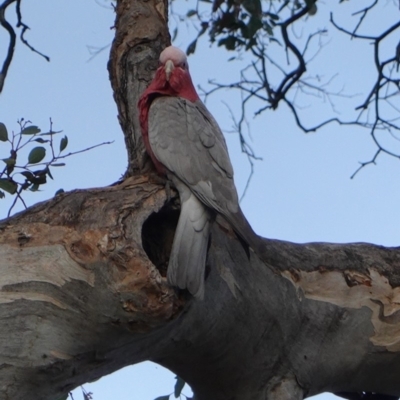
94, 51
380, 91
25, 27
363, 13
11, 45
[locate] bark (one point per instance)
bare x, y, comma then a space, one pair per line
80, 298
83, 291
141, 33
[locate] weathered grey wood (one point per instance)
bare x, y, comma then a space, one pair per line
72, 279
79, 298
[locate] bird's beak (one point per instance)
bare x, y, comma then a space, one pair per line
169, 67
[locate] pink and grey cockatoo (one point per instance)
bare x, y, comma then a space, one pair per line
186, 144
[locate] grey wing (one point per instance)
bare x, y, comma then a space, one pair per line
186, 139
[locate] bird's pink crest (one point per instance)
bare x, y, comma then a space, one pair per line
177, 56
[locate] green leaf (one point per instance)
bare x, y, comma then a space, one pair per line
28, 175
192, 47
59, 191
50, 133
229, 42
40, 140
34, 187
30, 130
36, 155
163, 397
204, 27
9, 161
253, 7
8, 186
180, 383
190, 13
39, 179
253, 26
49, 173
273, 16
61, 164
3, 133
63, 143
2, 195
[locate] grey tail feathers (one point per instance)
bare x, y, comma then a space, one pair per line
187, 261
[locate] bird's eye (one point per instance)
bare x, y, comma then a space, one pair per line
183, 65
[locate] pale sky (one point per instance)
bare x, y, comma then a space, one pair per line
300, 192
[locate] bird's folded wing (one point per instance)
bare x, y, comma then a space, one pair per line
186, 139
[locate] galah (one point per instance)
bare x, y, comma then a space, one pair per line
186, 144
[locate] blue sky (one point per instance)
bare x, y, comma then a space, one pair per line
301, 191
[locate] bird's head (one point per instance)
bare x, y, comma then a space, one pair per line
174, 62
172, 77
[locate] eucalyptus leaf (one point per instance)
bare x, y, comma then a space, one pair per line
63, 143
49, 173
50, 133
36, 155
3, 133
8, 185
192, 47
30, 130
34, 187
28, 175
40, 140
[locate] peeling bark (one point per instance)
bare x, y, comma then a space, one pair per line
80, 298
75, 283
83, 290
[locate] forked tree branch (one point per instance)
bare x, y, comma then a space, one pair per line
258, 81
12, 41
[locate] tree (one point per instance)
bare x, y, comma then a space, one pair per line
125, 299
280, 58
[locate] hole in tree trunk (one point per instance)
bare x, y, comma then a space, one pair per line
158, 234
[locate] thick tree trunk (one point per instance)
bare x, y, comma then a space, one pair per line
83, 290
141, 34
80, 299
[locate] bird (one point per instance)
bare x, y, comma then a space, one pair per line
187, 146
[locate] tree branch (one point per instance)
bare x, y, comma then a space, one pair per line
11, 45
